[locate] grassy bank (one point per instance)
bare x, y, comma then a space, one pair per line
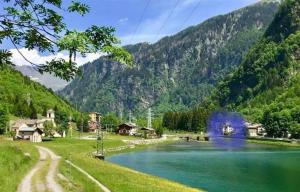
115, 177
273, 142
16, 159
74, 181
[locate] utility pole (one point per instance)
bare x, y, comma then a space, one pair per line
81, 127
100, 151
70, 126
130, 116
149, 124
121, 116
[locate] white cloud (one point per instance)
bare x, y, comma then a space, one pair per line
35, 57
123, 21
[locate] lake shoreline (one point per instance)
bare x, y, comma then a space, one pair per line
274, 142
174, 155
141, 146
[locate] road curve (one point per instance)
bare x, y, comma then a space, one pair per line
52, 185
25, 185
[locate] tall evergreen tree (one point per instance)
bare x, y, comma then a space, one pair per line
4, 118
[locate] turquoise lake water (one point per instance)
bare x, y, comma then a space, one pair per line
257, 168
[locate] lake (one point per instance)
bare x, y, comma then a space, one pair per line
201, 165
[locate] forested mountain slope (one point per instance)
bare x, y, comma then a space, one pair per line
25, 98
266, 87
177, 71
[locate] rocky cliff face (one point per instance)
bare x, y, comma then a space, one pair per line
177, 71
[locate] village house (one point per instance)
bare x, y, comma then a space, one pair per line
255, 129
93, 126
30, 133
94, 121
227, 129
127, 129
30, 129
95, 116
149, 133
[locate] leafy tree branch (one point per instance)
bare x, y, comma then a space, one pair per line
39, 25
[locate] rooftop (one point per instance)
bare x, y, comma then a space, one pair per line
27, 129
147, 129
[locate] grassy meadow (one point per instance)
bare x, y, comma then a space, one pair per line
14, 164
16, 159
115, 177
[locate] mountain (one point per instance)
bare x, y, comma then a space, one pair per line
45, 79
176, 72
25, 98
266, 86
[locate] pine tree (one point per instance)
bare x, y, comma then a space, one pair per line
32, 111
4, 118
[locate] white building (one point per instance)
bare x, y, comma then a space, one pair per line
30, 133
255, 129
227, 129
25, 128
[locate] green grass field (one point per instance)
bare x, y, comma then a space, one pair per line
14, 164
115, 177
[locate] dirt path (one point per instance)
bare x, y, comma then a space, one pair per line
25, 185
51, 184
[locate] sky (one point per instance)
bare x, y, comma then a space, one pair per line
139, 20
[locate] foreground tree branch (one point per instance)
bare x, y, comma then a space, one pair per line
35, 24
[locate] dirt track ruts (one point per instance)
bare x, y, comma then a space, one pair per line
51, 184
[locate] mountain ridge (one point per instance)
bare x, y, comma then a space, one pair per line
176, 72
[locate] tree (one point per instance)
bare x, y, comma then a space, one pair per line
167, 120
295, 130
159, 131
39, 25
49, 128
33, 112
82, 123
4, 118
110, 119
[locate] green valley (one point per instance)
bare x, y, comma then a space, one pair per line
213, 107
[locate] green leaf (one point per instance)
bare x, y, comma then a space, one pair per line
78, 7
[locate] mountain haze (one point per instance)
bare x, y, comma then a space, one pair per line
45, 79
177, 71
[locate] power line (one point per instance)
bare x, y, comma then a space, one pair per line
140, 21
168, 17
191, 14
